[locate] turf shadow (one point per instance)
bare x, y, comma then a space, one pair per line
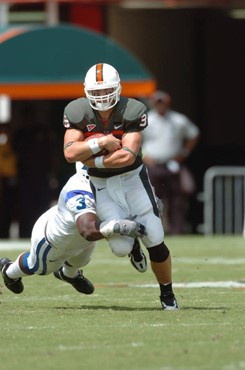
113, 308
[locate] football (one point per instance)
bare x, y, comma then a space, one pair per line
94, 136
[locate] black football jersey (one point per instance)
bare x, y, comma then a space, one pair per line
129, 115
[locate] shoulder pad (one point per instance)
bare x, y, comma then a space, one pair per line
132, 109
77, 110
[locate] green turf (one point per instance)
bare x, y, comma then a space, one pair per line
121, 326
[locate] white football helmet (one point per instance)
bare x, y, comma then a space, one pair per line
102, 76
81, 171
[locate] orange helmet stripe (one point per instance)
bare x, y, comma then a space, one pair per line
99, 72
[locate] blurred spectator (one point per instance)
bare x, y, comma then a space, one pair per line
8, 182
167, 142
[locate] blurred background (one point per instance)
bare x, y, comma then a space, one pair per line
192, 49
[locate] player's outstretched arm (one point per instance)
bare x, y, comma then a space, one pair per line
93, 230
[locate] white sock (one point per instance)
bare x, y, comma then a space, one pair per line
70, 272
14, 271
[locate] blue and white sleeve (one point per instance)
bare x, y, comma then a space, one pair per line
79, 202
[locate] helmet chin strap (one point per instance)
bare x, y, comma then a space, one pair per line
103, 106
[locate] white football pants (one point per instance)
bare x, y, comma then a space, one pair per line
129, 195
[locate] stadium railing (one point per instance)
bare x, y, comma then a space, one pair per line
224, 200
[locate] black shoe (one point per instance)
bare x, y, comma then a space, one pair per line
169, 302
80, 283
137, 257
15, 285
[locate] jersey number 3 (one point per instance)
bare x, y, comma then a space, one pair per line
143, 120
81, 202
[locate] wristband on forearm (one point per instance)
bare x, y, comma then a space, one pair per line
99, 162
107, 227
94, 146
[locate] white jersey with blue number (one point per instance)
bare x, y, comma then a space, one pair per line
76, 198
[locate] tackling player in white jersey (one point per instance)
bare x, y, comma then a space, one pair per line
63, 238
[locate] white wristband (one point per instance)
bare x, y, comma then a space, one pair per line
107, 227
99, 162
94, 146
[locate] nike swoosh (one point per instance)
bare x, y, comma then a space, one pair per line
99, 189
117, 126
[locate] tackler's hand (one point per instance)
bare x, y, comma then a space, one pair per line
141, 230
129, 228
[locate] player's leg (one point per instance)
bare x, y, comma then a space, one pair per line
123, 246
35, 261
137, 257
24, 265
144, 205
160, 258
13, 283
161, 266
71, 273
111, 204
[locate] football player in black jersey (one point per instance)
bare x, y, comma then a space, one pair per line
119, 179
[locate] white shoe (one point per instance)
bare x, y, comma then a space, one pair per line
169, 302
141, 265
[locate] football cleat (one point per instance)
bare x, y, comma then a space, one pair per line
169, 302
80, 283
15, 285
138, 258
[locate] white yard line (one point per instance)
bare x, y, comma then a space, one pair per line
14, 245
197, 284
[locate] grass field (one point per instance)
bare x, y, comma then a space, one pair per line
121, 326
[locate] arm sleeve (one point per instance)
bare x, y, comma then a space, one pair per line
79, 202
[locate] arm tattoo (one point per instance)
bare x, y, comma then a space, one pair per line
68, 144
130, 151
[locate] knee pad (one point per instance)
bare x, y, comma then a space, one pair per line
159, 253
